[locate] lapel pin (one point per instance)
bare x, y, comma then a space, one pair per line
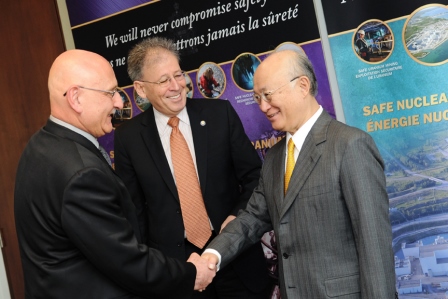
202, 122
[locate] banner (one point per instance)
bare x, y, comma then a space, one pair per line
224, 35
391, 66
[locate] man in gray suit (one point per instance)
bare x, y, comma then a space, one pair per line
331, 222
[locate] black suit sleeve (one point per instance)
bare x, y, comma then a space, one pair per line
92, 218
246, 161
124, 167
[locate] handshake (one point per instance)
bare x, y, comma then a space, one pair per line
206, 267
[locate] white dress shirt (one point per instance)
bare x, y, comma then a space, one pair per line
165, 133
299, 137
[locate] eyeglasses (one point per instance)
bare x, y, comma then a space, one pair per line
165, 82
267, 96
109, 92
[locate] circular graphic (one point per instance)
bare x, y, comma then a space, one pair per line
425, 35
211, 80
243, 69
141, 103
122, 115
373, 41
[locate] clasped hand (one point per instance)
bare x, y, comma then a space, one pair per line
205, 270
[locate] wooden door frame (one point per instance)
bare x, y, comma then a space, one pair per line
31, 40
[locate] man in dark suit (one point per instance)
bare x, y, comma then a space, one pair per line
75, 220
226, 165
329, 211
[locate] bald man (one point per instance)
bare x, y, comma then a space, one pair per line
330, 215
75, 221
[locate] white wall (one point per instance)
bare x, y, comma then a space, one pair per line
4, 288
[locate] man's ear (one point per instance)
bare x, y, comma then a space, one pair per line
138, 87
72, 97
304, 84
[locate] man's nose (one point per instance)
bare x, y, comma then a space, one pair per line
118, 102
264, 106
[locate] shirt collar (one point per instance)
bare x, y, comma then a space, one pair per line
162, 119
299, 137
75, 129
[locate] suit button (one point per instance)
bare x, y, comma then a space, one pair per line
178, 211
179, 244
285, 255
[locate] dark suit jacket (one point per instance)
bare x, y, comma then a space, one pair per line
228, 168
332, 228
75, 219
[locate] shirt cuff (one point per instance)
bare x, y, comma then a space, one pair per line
209, 250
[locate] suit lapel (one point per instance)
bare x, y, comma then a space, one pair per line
307, 160
151, 138
64, 132
279, 172
198, 123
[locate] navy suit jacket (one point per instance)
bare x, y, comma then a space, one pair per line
228, 168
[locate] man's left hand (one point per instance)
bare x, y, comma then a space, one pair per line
230, 218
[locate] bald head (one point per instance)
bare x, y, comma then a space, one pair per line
77, 67
72, 81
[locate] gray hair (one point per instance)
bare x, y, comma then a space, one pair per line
301, 65
155, 46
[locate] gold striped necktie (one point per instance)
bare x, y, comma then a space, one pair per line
290, 162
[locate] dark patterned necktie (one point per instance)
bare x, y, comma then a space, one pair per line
105, 155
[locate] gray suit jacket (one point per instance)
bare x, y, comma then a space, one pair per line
332, 227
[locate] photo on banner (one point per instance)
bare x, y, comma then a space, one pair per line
229, 37
391, 63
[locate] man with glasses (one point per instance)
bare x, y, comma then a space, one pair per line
76, 223
225, 168
322, 190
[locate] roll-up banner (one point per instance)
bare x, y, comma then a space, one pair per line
390, 60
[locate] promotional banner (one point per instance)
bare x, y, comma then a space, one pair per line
230, 38
391, 66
